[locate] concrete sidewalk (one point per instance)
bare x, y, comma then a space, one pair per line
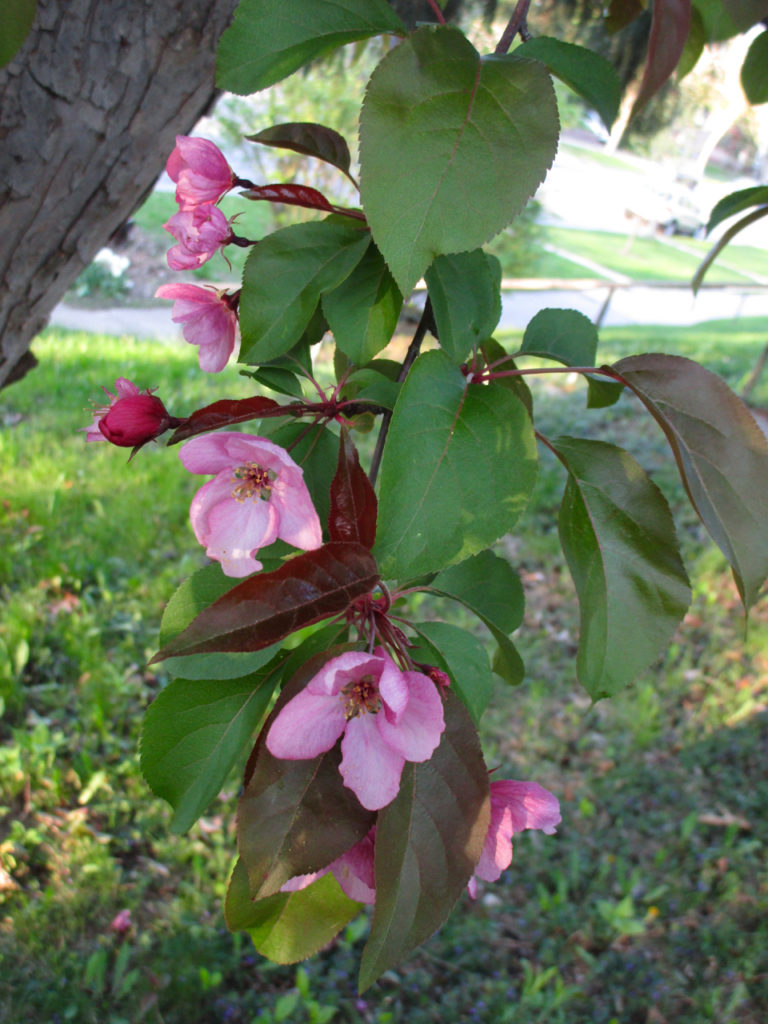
638, 304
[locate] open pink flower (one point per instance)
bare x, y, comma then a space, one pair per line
386, 716
257, 495
200, 170
200, 232
209, 321
515, 806
353, 870
132, 417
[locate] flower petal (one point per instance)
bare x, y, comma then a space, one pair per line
530, 805
369, 767
415, 733
308, 725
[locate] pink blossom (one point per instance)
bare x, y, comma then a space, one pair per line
200, 233
132, 417
121, 922
515, 806
209, 321
257, 495
386, 717
200, 170
353, 870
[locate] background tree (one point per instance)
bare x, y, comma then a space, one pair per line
89, 108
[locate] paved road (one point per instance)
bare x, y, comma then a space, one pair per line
636, 305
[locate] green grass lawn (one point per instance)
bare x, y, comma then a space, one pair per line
654, 892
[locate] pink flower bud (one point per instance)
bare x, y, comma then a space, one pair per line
209, 321
131, 419
121, 922
200, 170
199, 232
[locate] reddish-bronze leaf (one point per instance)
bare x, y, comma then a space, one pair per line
296, 817
428, 841
310, 140
353, 500
267, 607
669, 31
293, 195
720, 451
226, 412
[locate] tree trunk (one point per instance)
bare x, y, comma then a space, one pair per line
89, 108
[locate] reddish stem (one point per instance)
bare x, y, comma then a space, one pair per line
436, 11
515, 24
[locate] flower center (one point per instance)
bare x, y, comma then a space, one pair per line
253, 481
360, 696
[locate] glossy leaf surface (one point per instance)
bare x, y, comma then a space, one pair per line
721, 453
267, 607
195, 730
570, 338
458, 469
270, 39
353, 501
587, 73
308, 139
363, 310
196, 593
463, 657
284, 277
619, 540
224, 413
296, 817
451, 147
288, 927
428, 841
490, 587
466, 300
290, 195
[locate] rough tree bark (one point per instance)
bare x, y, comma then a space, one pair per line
89, 109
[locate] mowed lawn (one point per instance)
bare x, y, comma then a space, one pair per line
650, 903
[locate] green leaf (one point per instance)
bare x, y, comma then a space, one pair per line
371, 386
495, 353
310, 140
466, 300
284, 277
458, 468
296, 817
270, 39
16, 18
289, 927
462, 656
564, 335
619, 540
746, 13
734, 203
195, 593
428, 841
570, 338
721, 453
722, 242
490, 587
694, 45
193, 733
587, 73
451, 147
363, 310
754, 70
